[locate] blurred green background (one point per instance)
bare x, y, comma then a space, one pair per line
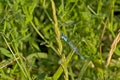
31, 47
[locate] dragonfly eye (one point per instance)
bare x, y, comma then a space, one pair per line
64, 37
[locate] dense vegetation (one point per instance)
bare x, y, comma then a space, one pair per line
31, 47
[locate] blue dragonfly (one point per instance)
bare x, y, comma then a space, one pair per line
71, 45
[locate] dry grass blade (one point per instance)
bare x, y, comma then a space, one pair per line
114, 44
4, 64
103, 33
57, 31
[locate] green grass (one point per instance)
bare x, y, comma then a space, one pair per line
31, 47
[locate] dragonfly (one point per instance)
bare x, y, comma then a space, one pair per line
71, 45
